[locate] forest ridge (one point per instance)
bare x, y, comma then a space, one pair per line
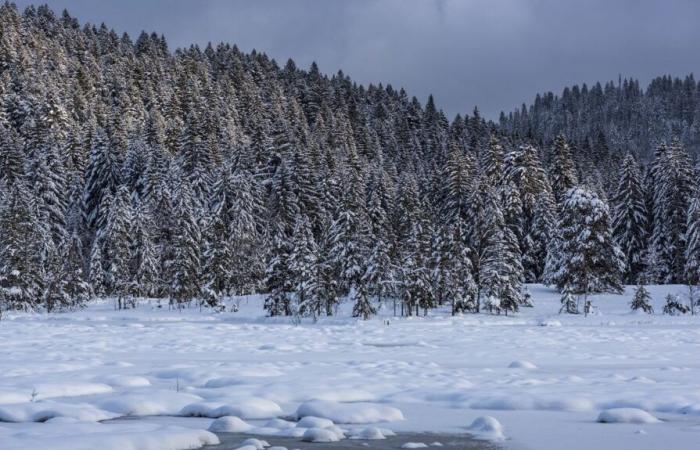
128, 170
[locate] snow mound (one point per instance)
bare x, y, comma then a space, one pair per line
691, 409
257, 443
487, 427
69, 389
369, 433
229, 424
12, 396
252, 408
279, 424
626, 415
222, 382
246, 447
62, 420
337, 430
289, 432
314, 422
153, 403
89, 436
349, 412
320, 435
43, 411
414, 445
522, 365
124, 381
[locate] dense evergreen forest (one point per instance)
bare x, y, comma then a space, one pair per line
128, 170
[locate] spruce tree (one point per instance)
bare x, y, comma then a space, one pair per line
629, 218
692, 239
492, 164
416, 287
143, 254
672, 184
303, 271
278, 278
12, 158
77, 287
326, 280
245, 234
459, 174
540, 237
363, 304
184, 271
115, 239
587, 259
218, 257
96, 276
21, 280
569, 303
102, 180
674, 307
347, 251
500, 269
641, 300
562, 172
461, 287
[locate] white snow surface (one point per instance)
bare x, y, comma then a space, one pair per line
547, 378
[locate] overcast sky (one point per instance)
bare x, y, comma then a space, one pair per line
495, 54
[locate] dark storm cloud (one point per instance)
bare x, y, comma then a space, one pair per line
492, 53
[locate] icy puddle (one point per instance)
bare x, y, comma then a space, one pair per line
435, 441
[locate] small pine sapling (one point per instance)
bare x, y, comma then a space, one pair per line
641, 300
674, 307
569, 304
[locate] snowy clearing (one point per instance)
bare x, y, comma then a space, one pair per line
545, 379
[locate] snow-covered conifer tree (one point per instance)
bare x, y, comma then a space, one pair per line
540, 237
501, 270
569, 304
562, 171
76, 286
303, 271
629, 218
21, 283
115, 240
588, 258
347, 253
671, 178
278, 278
692, 239
184, 271
641, 300
144, 259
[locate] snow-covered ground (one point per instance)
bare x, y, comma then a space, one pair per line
552, 381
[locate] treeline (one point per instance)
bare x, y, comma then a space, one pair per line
128, 170
605, 122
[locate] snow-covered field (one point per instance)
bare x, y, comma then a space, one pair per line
548, 379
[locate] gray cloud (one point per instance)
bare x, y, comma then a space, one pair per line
492, 53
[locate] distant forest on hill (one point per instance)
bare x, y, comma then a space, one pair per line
129, 170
